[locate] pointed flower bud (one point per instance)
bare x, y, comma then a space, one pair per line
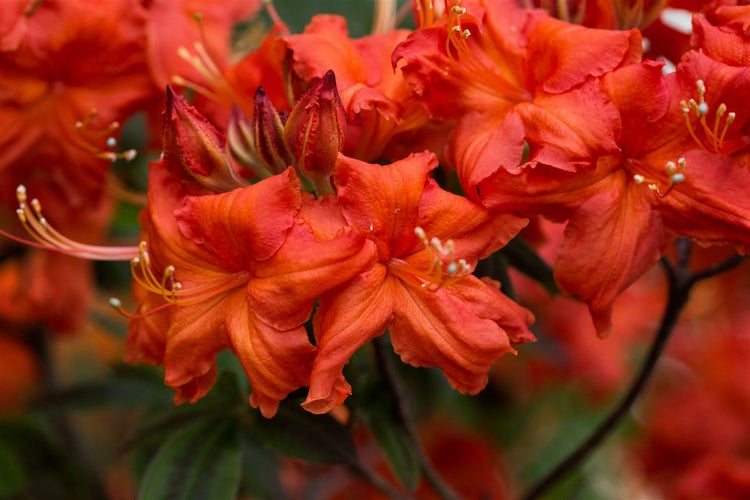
241, 141
315, 132
193, 148
268, 132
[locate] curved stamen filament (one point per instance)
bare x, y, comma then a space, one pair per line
171, 290
722, 120
458, 51
675, 175
219, 87
425, 13
36, 224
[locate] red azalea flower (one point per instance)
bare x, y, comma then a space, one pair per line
420, 288
514, 77
65, 91
380, 106
680, 173
235, 271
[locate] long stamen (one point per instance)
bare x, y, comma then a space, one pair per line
715, 134
47, 237
461, 55
172, 290
110, 142
218, 87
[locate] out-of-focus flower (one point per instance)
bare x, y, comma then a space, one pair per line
13, 22
703, 452
179, 31
420, 288
66, 91
20, 374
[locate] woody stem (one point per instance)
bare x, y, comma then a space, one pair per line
404, 410
681, 281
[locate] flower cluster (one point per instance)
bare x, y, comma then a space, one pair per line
321, 189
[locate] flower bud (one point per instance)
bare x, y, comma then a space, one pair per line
315, 132
268, 132
193, 148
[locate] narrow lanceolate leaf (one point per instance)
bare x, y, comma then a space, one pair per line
399, 450
200, 461
317, 438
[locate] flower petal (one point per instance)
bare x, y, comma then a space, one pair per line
456, 328
345, 320
610, 241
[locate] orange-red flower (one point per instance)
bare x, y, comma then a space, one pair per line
236, 270
174, 25
380, 107
420, 288
521, 84
65, 92
681, 172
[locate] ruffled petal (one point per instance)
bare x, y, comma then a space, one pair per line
285, 286
346, 319
458, 328
243, 225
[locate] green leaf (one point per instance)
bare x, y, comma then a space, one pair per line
203, 460
260, 474
224, 400
316, 438
13, 477
401, 455
125, 387
374, 404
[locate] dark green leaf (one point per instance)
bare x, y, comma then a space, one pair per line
13, 477
224, 400
125, 387
260, 475
203, 460
399, 450
317, 438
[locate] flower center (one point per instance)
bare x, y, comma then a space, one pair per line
87, 135
675, 175
443, 269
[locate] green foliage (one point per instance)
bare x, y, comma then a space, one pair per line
318, 438
200, 460
373, 402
